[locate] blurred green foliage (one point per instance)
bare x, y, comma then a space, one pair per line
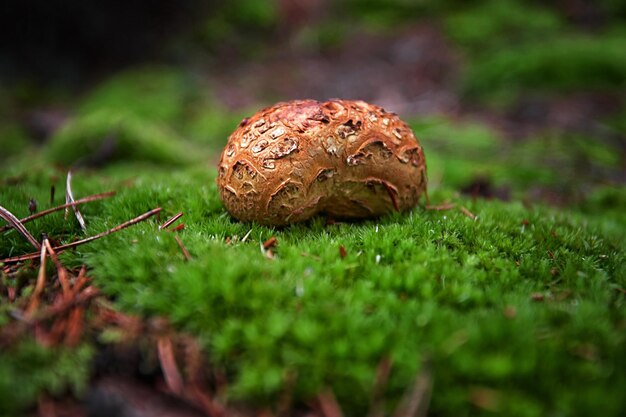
557, 65
30, 369
490, 25
104, 137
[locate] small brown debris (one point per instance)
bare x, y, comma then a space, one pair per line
178, 227
510, 312
342, 252
270, 243
537, 296
485, 398
32, 206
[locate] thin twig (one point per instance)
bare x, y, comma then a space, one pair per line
69, 198
182, 247
467, 213
169, 367
380, 383
84, 296
86, 240
329, 405
245, 237
61, 207
441, 207
415, 401
41, 282
61, 271
15, 223
170, 221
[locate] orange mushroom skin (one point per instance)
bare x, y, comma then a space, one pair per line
344, 159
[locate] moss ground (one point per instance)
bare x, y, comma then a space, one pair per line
519, 312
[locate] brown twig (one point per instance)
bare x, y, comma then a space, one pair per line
269, 243
86, 295
380, 383
41, 282
328, 404
17, 225
61, 207
169, 367
61, 271
171, 220
415, 401
86, 240
441, 207
182, 247
467, 213
69, 198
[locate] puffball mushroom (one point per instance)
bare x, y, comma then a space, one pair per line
345, 159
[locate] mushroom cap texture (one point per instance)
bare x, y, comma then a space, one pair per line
346, 159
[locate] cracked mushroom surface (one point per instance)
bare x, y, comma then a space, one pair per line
344, 159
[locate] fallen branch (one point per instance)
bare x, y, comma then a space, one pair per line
86, 240
61, 207
15, 223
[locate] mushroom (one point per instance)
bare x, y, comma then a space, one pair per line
345, 159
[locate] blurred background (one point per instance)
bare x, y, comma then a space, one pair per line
511, 98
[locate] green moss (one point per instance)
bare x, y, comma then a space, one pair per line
416, 286
487, 25
153, 94
561, 65
30, 369
107, 136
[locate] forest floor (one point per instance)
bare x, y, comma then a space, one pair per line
506, 295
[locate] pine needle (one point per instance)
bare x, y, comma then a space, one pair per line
61, 207
61, 248
17, 225
69, 198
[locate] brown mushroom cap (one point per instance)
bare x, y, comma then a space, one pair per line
346, 159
